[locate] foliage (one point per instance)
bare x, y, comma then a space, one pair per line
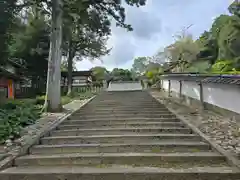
153, 72
64, 66
182, 52
7, 11
140, 64
234, 8
121, 74
199, 66
99, 73
209, 52
14, 115
30, 42
222, 66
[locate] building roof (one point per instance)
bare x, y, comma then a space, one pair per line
77, 73
204, 78
8, 74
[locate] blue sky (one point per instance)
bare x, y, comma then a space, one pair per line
154, 26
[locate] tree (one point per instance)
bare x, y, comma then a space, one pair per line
121, 74
100, 13
64, 65
182, 52
140, 64
208, 47
30, 42
7, 10
95, 20
234, 8
53, 94
153, 72
84, 45
99, 73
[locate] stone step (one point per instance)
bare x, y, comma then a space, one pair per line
124, 112
138, 159
66, 125
92, 116
122, 118
126, 102
126, 105
129, 108
107, 121
120, 173
125, 138
119, 131
160, 147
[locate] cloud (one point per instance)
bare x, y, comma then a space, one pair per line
124, 44
156, 23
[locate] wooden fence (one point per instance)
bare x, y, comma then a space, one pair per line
83, 89
29, 92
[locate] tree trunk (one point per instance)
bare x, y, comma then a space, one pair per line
53, 91
70, 68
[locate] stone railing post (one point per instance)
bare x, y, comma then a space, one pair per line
169, 88
180, 89
201, 95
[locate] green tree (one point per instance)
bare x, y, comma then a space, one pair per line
121, 74
234, 8
94, 15
30, 43
99, 74
182, 52
140, 64
7, 10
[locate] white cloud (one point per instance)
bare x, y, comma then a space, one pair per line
154, 26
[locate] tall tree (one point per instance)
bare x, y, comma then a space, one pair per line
183, 52
30, 42
99, 13
234, 8
53, 91
7, 9
99, 73
140, 65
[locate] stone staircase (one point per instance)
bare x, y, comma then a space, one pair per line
123, 136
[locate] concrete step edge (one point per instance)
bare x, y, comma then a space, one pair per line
127, 128
170, 143
119, 169
121, 136
121, 155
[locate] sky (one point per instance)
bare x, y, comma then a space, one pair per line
154, 26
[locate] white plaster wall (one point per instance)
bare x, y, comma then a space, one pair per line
165, 84
191, 89
224, 96
175, 86
124, 86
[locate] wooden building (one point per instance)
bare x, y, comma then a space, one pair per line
10, 78
80, 78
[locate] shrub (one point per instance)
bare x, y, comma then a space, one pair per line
14, 116
40, 100
222, 66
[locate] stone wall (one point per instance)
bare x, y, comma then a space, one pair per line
223, 98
